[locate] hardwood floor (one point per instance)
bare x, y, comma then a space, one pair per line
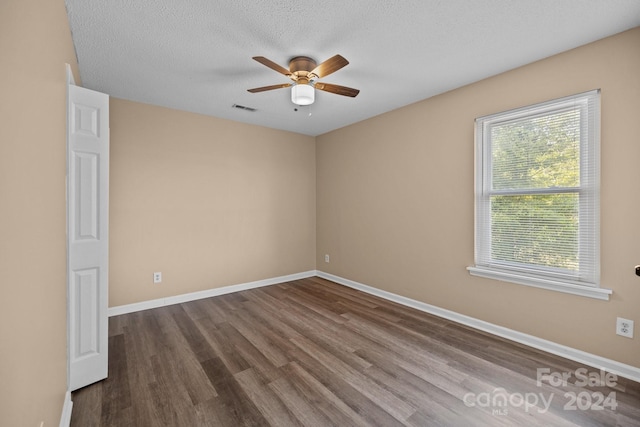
315, 353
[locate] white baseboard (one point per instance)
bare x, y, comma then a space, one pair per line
609, 365
67, 407
177, 299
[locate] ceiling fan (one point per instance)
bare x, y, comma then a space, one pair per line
305, 72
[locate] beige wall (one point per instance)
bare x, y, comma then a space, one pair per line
395, 200
35, 43
208, 202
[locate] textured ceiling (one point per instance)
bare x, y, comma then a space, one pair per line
195, 55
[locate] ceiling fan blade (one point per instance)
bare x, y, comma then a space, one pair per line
269, 63
337, 89
265, 88
329, 66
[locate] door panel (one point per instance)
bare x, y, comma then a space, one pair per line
85, 289
87, 220
87, 235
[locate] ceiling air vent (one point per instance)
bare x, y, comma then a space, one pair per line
242, 107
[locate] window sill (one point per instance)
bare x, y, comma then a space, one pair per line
538, 282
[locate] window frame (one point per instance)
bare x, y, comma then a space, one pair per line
587, 280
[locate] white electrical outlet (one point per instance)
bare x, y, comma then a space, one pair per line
326, 258
624, 327
157, 277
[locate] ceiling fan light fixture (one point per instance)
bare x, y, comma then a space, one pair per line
302, 94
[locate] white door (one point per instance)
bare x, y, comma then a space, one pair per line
87, 235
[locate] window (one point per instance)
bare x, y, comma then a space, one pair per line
537, 196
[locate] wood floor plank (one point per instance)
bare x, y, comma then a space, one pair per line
264, 297
116, 393
220, 338
435, 395
197, 309
331, 290
182, 367
116, 323
89, 400
269, 405
304, 411
340, 345
262, 338
346, 392
396, 407
207, 414
143, 339
330, 404
216, 310
312, 352
249, 354
316, 302
234, 405
168, 407
260, 311
196, 341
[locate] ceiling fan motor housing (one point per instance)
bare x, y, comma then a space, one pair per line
300, 68
302, 63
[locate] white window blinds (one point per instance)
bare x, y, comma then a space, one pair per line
537, 191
